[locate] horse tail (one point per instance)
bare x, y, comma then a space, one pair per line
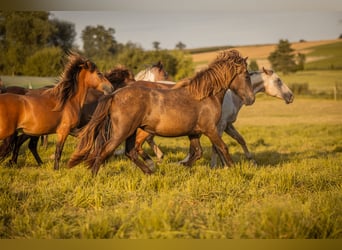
93, 135
7, 146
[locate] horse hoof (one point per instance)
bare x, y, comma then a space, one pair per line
151, 165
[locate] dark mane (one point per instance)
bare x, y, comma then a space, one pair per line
215, 77
67, 84
119, 76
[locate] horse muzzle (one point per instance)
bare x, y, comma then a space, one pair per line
249, 100
289, 98
107, 90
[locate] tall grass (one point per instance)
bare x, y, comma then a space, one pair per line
294, 192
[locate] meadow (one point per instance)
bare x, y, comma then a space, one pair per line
293, 192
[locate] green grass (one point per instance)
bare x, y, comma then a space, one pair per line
319, 81
331, 53
294, 192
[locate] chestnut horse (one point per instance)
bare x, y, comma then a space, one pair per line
6, 147
191, 110
55, 110
119, 77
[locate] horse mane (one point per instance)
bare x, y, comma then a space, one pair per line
68, 80
217, 76
119, 76
141, 75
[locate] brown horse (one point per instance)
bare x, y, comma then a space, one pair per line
192, 110
18, 141
54, 110
119, 77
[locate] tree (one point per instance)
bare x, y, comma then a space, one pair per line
63, 34
45, 62
180, 46
253, 66
22, 34
156, 45
283, 59
99, 42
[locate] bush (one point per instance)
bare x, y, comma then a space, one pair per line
45, 62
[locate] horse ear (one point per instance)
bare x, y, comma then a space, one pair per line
245, 58
267, 72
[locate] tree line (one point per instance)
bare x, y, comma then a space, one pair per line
34, 43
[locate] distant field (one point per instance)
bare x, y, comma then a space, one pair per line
261, 52
28, 81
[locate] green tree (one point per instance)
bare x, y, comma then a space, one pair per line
156, 45
180, 46
63, 34
253, 66
283, 58
184, 66
45, 62
99, 42
22, 34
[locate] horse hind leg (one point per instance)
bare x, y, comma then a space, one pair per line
195, 151
132, 153
33, 148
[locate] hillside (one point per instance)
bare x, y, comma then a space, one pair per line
261, 52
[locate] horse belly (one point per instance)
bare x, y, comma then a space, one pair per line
172, 126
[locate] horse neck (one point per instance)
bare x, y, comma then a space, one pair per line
80, 96
257, 85
257, 82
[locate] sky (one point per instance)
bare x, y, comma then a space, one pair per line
209, 23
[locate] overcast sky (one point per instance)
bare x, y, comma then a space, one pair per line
208, 23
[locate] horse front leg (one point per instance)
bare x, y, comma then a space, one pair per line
132, 153
140, 138
195, 151
214, 153
230, 130
154, 146
61, 138
221, 148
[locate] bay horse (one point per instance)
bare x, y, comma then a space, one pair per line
119, 77
191, 110
55, 110
7, 146
266, 81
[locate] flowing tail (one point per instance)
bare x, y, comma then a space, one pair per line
7, 146
93, 135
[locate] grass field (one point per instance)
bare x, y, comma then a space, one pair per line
294, 192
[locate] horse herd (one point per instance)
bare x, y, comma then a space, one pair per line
105, 110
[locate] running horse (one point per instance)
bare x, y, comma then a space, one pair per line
191, 110
119, 77
55, 110
266, 81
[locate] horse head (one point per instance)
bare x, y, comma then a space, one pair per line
241, 83
120, 76
274, 86
93, 78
